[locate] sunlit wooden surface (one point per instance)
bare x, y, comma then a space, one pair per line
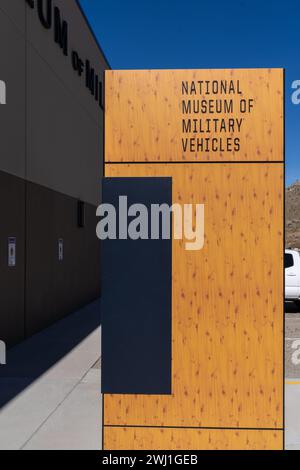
227, 299
144, 113
191, 439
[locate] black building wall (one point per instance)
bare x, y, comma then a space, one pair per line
51, 145
12, 280
55, 288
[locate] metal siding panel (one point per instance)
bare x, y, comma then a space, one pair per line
136, 302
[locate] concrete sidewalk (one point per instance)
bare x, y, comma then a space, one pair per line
50, 389
292, 371
292, 414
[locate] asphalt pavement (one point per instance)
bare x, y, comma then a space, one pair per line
292, 374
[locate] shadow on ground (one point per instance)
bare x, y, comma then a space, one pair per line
35, 356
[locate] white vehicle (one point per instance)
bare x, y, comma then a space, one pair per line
292, 275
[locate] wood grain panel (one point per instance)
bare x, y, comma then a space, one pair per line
144, 115
227, 301
191, 439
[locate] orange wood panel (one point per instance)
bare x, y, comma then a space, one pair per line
144, 115
191, 439
227, 367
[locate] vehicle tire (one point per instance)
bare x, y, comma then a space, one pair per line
297, 303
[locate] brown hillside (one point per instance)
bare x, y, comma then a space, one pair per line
292, 222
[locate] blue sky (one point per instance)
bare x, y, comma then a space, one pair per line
205, 34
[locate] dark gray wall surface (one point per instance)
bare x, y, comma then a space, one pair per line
56, 288
64, 140
51, 137
12, 210
51, 127
12, 71
65, 123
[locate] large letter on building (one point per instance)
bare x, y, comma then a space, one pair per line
60, 31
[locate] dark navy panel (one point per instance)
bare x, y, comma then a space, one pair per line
136, 298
